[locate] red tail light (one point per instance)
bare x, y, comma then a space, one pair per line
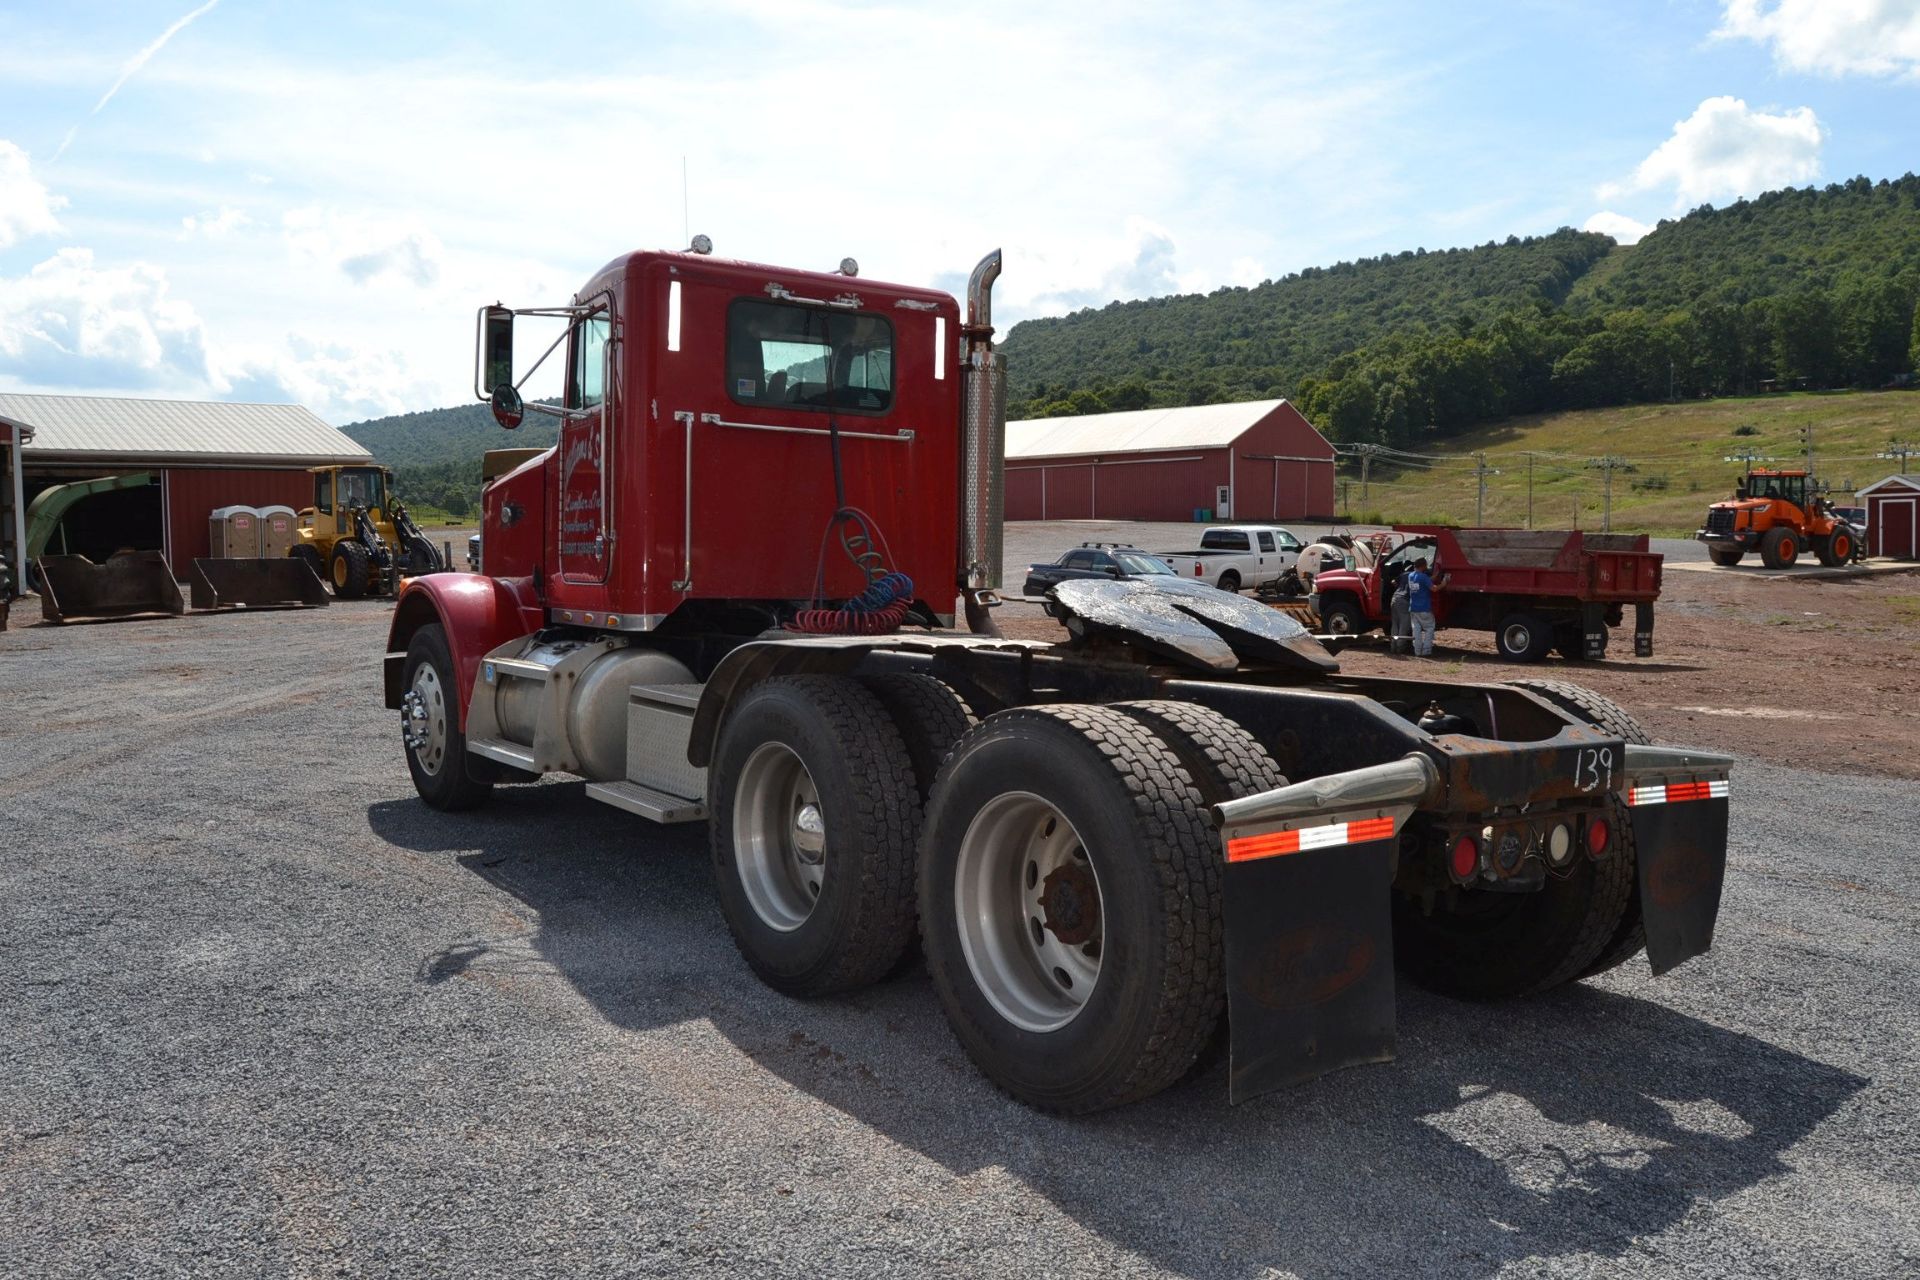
1598, 834
1196, 570
1466, 858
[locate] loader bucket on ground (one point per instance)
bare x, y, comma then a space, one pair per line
283, 583
73, 588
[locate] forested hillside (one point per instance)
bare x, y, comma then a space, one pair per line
1248, 343
435, 454
1807, 288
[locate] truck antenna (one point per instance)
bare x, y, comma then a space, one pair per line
686, 224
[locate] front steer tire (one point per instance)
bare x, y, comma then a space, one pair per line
441, 775
826, 905
1133, 815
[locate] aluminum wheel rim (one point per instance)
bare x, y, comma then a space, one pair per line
779, 837
1032, 933
1518, 638
423, 719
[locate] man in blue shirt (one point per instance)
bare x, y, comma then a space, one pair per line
1420, 606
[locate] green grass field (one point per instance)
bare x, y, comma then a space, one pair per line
1675, 454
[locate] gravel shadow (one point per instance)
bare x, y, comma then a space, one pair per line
1565, 1126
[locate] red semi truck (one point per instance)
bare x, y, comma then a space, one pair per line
729, 594
1536, 590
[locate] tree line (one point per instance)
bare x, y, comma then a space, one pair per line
1805, 288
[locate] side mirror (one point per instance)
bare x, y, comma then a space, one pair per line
496, 348
1114, 571
508, 409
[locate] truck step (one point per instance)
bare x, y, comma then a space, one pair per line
656, 806
518, 667
504, 752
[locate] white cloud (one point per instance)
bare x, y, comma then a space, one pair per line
1831, 37
363, 248
26, 206
69, 323
214, 226
1617, 225
1726, 148
339, 381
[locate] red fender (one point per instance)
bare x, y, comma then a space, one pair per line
478, 613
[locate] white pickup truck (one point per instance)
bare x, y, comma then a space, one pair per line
1235, 557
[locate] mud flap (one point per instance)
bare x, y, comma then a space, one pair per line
1309, 928
1309, 963
134, 582
1679, 802
284, 582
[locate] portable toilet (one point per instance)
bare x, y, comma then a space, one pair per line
233, 533
276, 531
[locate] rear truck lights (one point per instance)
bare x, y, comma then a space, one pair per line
1599, 835
1464, 860
1560, 844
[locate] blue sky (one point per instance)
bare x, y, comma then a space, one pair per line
269, 200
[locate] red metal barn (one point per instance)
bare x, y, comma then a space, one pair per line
1259, 460
1893, 517
200, 455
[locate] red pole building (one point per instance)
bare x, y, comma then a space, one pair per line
1258, 460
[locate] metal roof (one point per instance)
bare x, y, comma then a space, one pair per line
108, 429
1912, 482
1201, 426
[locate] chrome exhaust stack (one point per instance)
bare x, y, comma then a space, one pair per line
983, 450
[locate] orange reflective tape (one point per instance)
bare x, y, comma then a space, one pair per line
1327, 836
1267, 846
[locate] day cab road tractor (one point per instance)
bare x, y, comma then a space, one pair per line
730, 593
1779, 514
357, 538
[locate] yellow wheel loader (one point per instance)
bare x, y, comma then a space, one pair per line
357, 538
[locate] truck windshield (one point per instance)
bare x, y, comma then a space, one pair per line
807, 358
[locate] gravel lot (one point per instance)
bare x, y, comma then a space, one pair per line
266, 1014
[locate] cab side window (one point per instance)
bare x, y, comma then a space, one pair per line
1266, 541
1078, 560
587, 374
323, 493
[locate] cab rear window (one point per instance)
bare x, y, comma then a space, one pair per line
800, 357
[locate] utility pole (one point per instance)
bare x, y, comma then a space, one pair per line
1366, 465
1609, 465
1900, 449
1806, 441
1749, 455
1480, 474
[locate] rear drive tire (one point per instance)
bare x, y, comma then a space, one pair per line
815, 819
1227, 763
1097, 980
1629, 936
352, 570
1725, 557
1523, 636
430, 731
1229, 581
930, 716
1779, 549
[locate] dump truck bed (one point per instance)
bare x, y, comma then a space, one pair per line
1611, 568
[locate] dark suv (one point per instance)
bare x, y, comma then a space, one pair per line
1095, 560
